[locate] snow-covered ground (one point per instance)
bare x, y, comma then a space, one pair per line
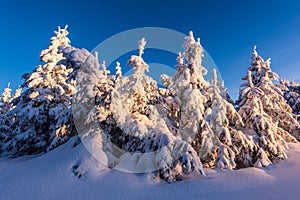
71, 173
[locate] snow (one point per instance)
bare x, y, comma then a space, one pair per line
71, 173
143, 128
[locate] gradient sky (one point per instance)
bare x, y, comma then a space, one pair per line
228, 30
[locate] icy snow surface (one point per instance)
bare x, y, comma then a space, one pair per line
71, 173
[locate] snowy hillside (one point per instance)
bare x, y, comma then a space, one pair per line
71, 112
56, 176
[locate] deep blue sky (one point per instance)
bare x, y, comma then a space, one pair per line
228, 30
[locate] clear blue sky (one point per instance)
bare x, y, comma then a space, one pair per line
228, 30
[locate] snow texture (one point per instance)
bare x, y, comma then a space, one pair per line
72, 173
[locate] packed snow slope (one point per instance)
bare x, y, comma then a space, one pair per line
72, 173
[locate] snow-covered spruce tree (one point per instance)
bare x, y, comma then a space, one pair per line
93, 86
189, 92
232, 148
118, 72
8, 102
4, 109
104, 88
224, 93
39, 110
221, 154
74, 59
84, 108
6, 95
88, 103
91, 103
292, 95
266, 133
273, 101
291, 92
143, 133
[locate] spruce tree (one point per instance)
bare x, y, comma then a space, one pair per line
232, 148
265, 112
273, 100
292, 94
5, 107
39, 109
187, 93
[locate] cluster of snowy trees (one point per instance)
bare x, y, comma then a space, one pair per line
188, 124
